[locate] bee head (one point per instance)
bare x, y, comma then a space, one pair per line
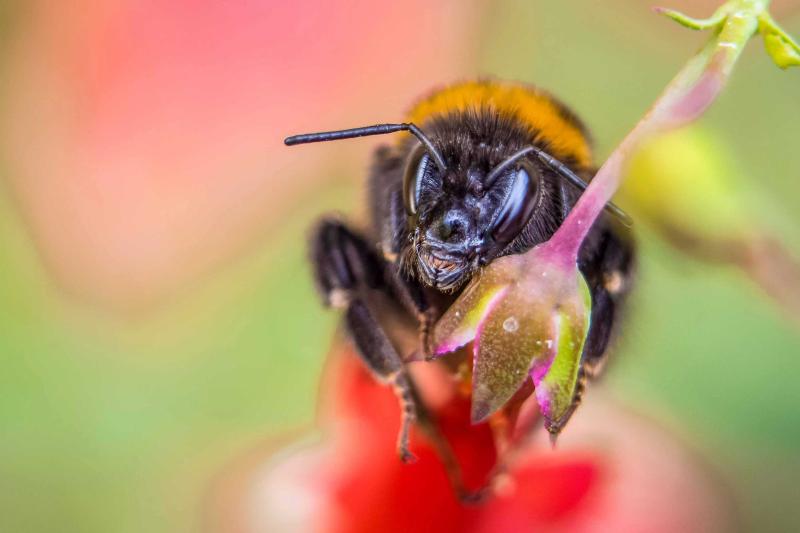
476, 186
463, 214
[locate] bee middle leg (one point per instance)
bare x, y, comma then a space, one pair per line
346, 270
610, 278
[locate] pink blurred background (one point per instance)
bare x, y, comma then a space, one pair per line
161, 333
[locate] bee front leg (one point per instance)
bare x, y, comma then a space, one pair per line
345, 269
390, 211
412, 298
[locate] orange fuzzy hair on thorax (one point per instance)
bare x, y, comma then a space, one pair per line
554, 123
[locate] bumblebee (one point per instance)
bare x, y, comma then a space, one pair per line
483, 169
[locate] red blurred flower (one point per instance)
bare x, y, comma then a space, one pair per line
612, 472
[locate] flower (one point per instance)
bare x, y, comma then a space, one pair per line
528, 316
612, 471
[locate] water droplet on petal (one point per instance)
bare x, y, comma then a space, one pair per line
511, 324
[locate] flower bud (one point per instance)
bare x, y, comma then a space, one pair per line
683, 184
528, 316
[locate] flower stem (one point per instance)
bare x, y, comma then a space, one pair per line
687, 96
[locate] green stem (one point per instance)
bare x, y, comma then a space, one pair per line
689, 94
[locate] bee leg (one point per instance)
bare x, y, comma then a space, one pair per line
609, 276
343, 263
381, 358
412, 297
390, 211
345, 269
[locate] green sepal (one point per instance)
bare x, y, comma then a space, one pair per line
695, 24
555, 391
783, 50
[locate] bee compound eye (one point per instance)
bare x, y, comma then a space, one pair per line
519, 204
418, 167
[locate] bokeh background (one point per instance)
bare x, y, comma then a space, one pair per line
158, 327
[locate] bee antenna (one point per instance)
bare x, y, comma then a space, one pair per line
565, 172
561, 169
377, 129
500, 169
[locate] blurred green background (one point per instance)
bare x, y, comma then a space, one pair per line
122, 421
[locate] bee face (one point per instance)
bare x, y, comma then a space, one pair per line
463, 216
